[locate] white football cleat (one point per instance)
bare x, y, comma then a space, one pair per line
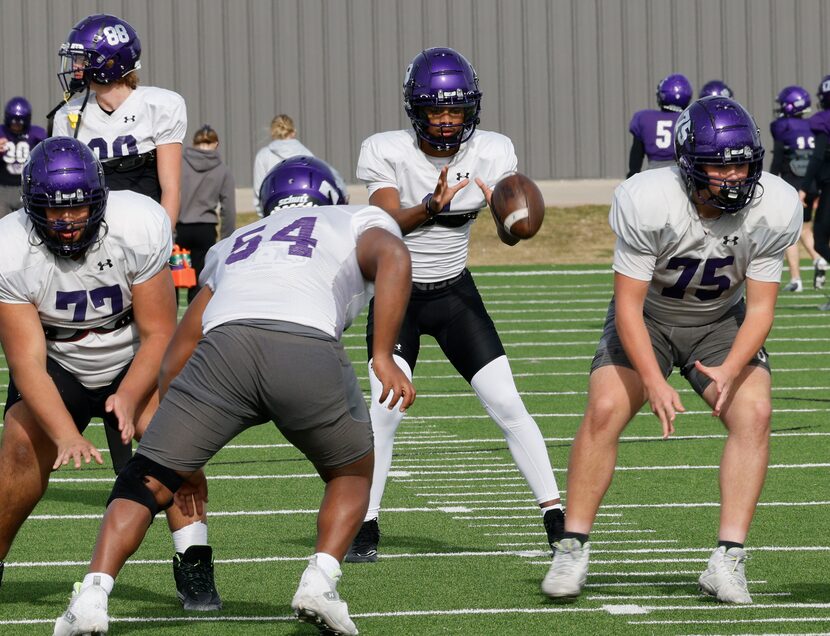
794, 285
569, 570
87, 613
725, 578
318, 603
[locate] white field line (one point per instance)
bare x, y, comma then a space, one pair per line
535, 393
783, 619
455, 495
657, 583
660, 597
593, 533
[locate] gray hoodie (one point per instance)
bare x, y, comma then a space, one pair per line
206, 183
269, 156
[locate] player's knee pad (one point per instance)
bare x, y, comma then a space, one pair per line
131, 483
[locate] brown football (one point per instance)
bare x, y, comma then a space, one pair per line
518, 204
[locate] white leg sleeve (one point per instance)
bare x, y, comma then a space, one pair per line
384, 425
497, 391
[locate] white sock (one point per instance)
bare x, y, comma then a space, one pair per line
384, 425
193, 534
329, 565
553, 507
497, 392
104, 580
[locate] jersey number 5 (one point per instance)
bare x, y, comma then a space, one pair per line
709, 277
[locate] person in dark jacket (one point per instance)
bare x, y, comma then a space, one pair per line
207, 184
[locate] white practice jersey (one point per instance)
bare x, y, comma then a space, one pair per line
297, 265
148, 118
81, 301
394, 160
698, 267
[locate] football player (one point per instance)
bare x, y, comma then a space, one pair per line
423, 177
277, 296
135, 131
716, 88
652, 129
86, 312
692, 241
793, 145
17, 139
818, 177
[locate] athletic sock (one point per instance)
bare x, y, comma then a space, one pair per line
553, 507
192, 534
104, 580
582, 538
730, 544
328, 564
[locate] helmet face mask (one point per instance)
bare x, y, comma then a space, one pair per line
17, 115
442, 78
300, 182
674, 93
718, 131
823, 93
100, 48
62, 172
792, 101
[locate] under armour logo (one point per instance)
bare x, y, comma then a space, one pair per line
102, 265
460, 176
398, 348
730, 240
129, 118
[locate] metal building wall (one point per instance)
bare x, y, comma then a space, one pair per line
560, 77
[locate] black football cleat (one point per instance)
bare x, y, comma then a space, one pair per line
364, 548
193, 572
554, 521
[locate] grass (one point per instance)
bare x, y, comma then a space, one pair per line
463, 550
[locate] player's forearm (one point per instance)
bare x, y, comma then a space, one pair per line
410, 219
142, 378
42, 398
749, 340
392, 285
636, 342
170, 201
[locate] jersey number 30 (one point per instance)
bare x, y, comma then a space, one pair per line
710, 277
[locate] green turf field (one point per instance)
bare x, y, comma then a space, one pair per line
463, 549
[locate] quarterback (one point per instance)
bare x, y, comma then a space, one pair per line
423, 178
697, 265
86, 313
276, 297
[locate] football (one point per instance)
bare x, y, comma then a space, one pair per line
518, 205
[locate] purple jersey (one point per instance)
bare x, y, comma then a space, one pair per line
798, 140
16, 152
820, 122
655, 129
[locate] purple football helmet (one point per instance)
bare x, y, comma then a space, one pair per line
441, 77
716, 88
824, 93
718, 131
674, 92
100, 48
18, 115
63, 172
792, 101
300, 182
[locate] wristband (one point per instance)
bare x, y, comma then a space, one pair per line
430, 214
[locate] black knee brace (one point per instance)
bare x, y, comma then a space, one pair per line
131, 483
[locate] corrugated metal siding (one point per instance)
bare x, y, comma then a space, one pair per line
560, 77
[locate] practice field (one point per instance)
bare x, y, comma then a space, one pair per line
463, 550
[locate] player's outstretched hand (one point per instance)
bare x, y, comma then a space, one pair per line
444, 193
485, 189
396, 385
192, 495
75, 450
723, 384
124, 411
665, 404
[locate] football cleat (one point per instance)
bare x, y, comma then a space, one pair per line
87, 613
317, 602
554, 521
825, 306
364, 548
193, 572
725, 578
819, 273
569, 570
794, 286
